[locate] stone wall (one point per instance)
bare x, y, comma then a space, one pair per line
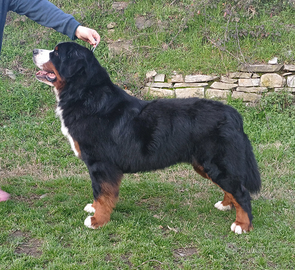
249, 83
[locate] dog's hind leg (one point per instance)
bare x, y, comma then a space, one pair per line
234, 195
243, 222
105, 185
226, 204
238, 197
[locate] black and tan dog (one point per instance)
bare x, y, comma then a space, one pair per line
114, 133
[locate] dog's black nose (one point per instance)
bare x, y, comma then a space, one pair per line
35, 51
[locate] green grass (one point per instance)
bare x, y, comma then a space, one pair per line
164, 219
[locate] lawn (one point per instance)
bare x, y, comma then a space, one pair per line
164, 219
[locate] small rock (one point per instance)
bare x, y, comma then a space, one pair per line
178, 78
223, 86
287, 74
199, 78
233, 75
150, 74
273, 61
271, 80
217, 93
289, 67
158, 92
255, 76
10, 74
160, 85
191, 85
159, 78
249, 82
111, 25
291, 81
228, 80
189, 92
173, 229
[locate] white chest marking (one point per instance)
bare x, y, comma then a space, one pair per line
65, 131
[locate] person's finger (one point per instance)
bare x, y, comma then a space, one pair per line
95, 38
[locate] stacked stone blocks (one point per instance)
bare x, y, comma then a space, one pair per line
249, 83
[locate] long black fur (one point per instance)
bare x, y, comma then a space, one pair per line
118, 133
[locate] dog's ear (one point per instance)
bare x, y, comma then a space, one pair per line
71, 68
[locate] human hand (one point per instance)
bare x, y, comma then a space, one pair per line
87, 34
4, 196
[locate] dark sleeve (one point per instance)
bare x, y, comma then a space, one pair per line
46, 14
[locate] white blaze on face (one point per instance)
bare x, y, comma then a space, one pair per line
41, 58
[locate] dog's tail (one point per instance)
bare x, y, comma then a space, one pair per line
252, 179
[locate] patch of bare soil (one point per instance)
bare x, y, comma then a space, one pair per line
124, 258
152, 204
185, 252
42, 172
28, 246
29, 200
119, 6
120, 46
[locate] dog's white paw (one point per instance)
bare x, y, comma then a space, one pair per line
89, 209
237, 229
87, 222
221, 207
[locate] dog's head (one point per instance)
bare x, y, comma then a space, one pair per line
68, 62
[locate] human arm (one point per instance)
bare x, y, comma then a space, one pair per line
47, 14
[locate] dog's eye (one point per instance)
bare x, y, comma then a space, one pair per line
56, 51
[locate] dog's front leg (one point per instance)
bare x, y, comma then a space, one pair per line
105, 184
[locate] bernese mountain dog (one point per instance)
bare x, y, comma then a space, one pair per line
115, 133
